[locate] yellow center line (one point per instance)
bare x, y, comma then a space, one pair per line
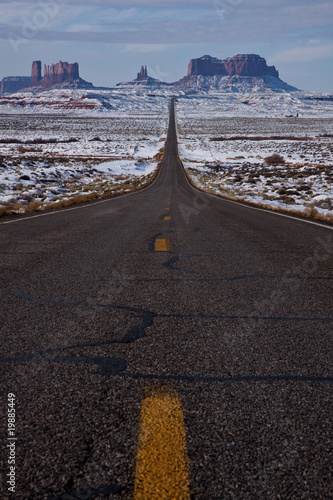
167, 208
162, 463
162, 245
167, 218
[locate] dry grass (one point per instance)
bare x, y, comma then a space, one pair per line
310, 213
74, 200
12, 208
33, 206
263, 138
99, 189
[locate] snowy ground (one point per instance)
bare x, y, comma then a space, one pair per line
224, 149
135, 100
59, 159
61, 145
118, 101
256, 104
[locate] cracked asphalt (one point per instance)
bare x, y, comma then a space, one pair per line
234, 316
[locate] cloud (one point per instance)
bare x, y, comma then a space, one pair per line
144, 48
119, 3
82, 28
153, 24
304, 54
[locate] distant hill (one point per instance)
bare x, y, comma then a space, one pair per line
11, 84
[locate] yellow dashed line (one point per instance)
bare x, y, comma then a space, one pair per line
162, 464
162, 245
167, 208
167, 218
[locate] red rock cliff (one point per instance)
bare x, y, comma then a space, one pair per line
36, 72
143, 75
60, 72
248, 65
57, 73
206, 66
242, 65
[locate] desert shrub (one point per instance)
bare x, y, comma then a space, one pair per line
71, 139
261, 138
39, 140
120, 177
325, 134
10, 141
22, 150
275, 159
304, 187
27, 197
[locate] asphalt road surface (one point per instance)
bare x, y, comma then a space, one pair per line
166, 303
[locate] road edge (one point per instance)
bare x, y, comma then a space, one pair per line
252, 205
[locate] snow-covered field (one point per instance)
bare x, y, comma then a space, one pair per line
256, 104
58, 159
62, 146
131, 100
224, 143
134, 100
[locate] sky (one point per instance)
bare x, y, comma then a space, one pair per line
112, 39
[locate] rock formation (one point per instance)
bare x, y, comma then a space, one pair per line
11, 84
249, 65
36, 72
144, 80
242, 65
206, 66
61, 73
143, 75
240, 73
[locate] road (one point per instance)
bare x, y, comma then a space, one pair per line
165, 302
